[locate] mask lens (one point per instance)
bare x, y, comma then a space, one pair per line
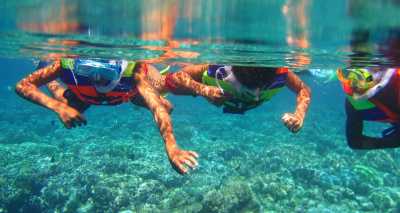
102, 77
357, 80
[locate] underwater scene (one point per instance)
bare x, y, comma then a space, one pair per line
200, 106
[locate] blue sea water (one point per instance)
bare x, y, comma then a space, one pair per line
247, 163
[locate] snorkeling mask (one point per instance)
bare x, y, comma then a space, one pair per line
226, 74
362, 79
104, 76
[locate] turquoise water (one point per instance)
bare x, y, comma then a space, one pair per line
248, 163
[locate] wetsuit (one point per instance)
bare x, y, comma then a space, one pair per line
382, 107
355, 137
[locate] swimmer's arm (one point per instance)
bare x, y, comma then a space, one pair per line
355, 137
188, 81
161, 116
195, 71
303, 93
181, 160
28, 87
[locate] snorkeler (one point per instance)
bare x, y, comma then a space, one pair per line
243, 88
105, 82
373, 94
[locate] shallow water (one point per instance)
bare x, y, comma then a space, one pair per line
248, 163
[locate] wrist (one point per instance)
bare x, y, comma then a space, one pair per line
58, 106
299, 115
171, 149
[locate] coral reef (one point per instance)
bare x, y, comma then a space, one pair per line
248, 163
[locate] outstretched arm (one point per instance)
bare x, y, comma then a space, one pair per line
188, 82
294, 122
28, 88
180, 160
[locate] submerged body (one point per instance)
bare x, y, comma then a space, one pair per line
104, 82
243, 88
377, 100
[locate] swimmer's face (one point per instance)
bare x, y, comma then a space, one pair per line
359, 91
359, 80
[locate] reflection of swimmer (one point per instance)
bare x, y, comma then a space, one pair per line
372, 95
158, 23
244, 87
296, 16
53, 18
103, 82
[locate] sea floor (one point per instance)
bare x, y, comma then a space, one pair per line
248, 163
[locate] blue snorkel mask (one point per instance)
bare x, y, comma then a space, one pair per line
104, 76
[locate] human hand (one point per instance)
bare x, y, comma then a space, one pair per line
215, 95
70, 117
293, 122
182, 160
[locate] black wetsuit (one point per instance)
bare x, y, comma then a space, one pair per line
355, 137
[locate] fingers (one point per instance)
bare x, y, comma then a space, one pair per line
286, 117
292, 122
191, 162
194, 154
180, 168
81, 119
296, 129
185, 161
78, 120
67, 124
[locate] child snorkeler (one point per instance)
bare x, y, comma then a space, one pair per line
107, 82
242, 88
373, 94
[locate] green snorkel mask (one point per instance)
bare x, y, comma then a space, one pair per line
370, 82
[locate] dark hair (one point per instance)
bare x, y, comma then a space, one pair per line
254, 77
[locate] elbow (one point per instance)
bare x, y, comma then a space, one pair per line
353, 145
354, 142
19, 87
307, 90
22, 87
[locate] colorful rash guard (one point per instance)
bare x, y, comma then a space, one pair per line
240, 101
82, 86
